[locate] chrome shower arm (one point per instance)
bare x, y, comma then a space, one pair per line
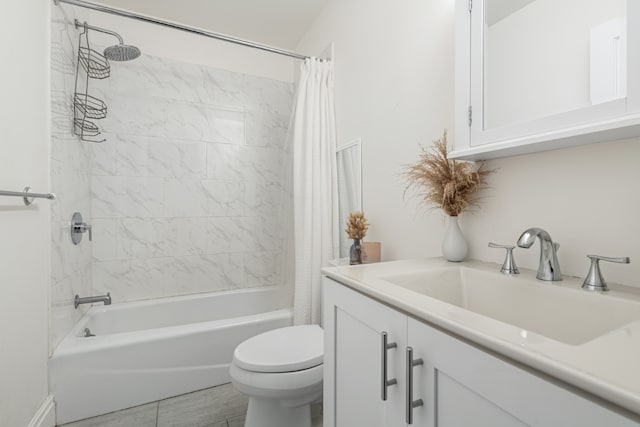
84, 25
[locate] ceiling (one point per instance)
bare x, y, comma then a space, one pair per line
279, 23
495, 10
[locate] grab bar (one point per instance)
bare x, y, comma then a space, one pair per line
28, 197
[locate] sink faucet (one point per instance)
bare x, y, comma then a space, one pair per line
106, 299
549, 268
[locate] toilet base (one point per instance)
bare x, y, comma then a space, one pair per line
270, 413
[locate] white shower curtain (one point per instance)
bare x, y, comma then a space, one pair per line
314, 186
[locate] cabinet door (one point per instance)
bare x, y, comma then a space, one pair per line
463, 386
353, 359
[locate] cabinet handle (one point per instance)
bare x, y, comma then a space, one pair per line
410, 402
385, 382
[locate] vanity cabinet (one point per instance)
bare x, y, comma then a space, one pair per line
354, 354
459, 384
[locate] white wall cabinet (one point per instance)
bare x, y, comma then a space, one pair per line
459, 384
532, 78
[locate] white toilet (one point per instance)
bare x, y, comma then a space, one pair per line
281, 372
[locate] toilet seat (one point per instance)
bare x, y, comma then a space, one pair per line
283, 350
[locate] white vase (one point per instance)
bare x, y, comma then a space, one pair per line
454, 246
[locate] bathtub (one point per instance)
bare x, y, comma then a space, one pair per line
150, 350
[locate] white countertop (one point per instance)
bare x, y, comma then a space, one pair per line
607, 366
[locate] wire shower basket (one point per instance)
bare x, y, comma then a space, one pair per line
89, 106
85, 106
95, 64
85, 128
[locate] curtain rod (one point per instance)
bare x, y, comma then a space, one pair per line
181, 27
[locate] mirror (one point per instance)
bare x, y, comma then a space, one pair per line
545, 57
349, 171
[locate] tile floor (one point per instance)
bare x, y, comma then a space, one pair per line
316, 420
221, 406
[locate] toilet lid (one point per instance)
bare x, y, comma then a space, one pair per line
287, 349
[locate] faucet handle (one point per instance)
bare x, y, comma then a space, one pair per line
594, 280
78, 227
509, 265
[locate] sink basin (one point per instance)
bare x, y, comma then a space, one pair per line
571, 316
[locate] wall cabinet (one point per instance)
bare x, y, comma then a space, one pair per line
538, 75
456, 384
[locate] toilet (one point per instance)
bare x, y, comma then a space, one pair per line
281, 372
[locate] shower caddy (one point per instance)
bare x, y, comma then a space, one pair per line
85, 106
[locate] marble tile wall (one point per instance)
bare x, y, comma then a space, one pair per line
185, 195
186, 192
70, 181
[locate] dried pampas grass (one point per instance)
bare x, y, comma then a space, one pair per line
357, 225
447, 184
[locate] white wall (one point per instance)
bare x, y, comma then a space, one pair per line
394, 88
586, 197
173, 44
24, 246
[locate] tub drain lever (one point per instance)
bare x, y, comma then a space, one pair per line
87, 333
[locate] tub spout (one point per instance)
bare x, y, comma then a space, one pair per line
106, 299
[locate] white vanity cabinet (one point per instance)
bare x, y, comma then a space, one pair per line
460, 385
353, 358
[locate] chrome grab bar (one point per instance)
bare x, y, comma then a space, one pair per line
27, 196
386, 382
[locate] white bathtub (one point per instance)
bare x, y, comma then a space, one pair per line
151, 350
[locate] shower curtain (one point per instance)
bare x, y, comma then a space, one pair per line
314, 186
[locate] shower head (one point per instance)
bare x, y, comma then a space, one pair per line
122, 52
119, 52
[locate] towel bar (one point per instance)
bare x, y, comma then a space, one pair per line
27, 196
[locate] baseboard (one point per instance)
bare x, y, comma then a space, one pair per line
46, 415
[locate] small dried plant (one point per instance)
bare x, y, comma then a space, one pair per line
357, 225
447, 184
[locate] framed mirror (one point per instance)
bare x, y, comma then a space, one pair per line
349, 168
535, 75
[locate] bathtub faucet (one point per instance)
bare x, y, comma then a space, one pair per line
106, 299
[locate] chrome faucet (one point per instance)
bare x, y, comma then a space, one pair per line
549, 268
106, 299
